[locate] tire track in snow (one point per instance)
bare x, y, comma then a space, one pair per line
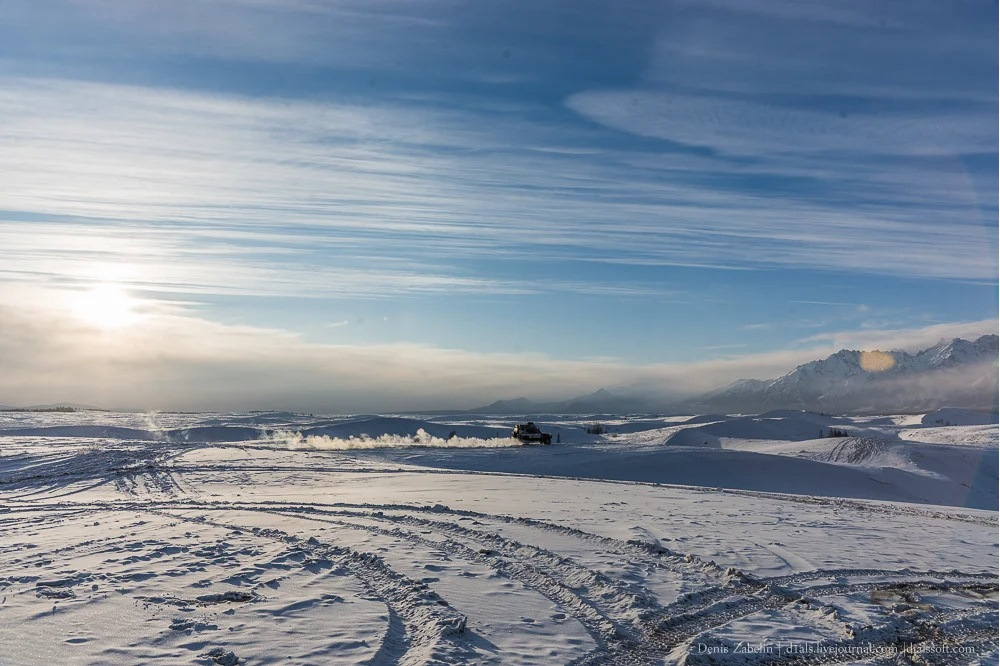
701, 612
430, 629
659, 632
591, 610
791, 560
886, 645
638, 551
393, 644
698, 611
626, 595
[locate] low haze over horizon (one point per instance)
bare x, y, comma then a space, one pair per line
372, 206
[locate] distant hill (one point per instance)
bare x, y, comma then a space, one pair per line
515, 406
601, 401
54, 407
64, 405
952, 373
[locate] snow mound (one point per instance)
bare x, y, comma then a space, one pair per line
258, 419
94, 431
706, 418
789, 428
694, 437
949, 416
802, 414
197, 434
206, 434
376, 426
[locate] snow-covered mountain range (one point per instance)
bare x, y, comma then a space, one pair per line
959, 373
952, 373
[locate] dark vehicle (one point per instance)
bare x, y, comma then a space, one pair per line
528, 433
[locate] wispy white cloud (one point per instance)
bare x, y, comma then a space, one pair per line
296, 31
219, 190
886, 338
755, 129
876, 49
831, 303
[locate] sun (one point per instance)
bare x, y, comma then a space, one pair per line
107, 306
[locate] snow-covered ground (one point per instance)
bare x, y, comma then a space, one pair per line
282, 538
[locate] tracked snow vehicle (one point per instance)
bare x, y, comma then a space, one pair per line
528, 433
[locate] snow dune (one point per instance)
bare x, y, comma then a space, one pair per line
793, 427
373, 427
973, 480
953, 416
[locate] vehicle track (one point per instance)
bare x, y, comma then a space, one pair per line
638, 551
683, 621
920, 642
629, 596
585, 609
647, 636
656, 633
627, 625
429, 630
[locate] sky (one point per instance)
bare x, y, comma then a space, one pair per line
372, 205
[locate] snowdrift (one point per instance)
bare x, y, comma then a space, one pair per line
197, 434
707, 418
402, 427
969, 481
953, 416
790, 428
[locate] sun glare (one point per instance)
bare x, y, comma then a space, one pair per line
877, 361
107, 306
